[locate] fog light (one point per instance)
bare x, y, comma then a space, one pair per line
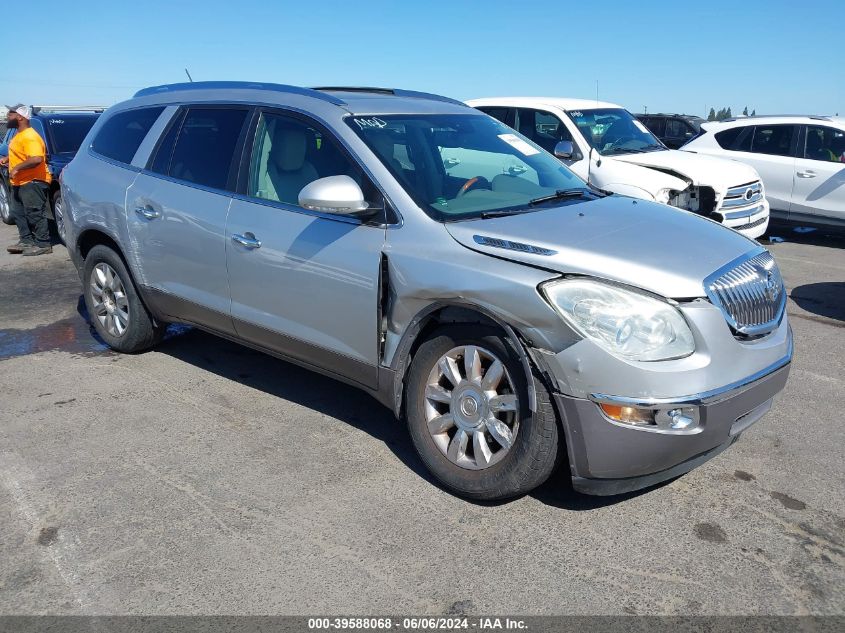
628, 415
679, 421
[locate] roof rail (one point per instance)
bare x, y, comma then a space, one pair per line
817, 117
238, 85
36, 109
397, 92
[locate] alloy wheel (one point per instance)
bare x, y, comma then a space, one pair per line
59, 216
471, 407
5, 205
110, 304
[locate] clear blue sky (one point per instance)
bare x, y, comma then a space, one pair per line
775, 55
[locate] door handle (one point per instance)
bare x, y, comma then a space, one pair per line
806, 174
148, 213
248, 240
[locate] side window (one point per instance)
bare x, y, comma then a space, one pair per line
657, 125
121, 135
543, 128
505, 115
675, 128
737, 138
289, 154
161, 162
825, 144
773, 139
205, 147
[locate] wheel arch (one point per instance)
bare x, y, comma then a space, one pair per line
95, 236
451, 312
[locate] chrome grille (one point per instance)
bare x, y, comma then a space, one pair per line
742, 196
750, 293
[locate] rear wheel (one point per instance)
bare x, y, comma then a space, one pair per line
468, 415
5, 205
114, 307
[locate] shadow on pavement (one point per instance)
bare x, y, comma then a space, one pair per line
812, 236
825, 299
290, 382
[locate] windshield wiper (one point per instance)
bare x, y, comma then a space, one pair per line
498, 214
562, 194
654, 147
624, 150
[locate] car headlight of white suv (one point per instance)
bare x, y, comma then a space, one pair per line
629, 325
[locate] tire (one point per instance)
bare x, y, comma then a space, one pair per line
59, 217
534, 444
114, 307
5, 204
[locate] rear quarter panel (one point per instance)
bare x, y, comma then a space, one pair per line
94, 191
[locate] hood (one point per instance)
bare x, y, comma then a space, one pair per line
710, 171
657, 248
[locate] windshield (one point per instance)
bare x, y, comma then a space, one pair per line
614, 131
67, 133
467, 165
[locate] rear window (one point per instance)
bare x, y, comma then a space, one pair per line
122, 134
67, 133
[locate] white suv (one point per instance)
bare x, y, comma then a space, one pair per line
609, 148
800, 158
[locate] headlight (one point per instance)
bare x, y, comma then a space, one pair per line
627, 324
663, 196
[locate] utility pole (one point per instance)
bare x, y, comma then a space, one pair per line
645, 109
597, 91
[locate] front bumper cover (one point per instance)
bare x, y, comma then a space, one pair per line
609, 459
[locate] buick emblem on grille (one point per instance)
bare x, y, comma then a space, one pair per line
771, 286
749, 193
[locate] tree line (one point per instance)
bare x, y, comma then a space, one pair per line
725, 113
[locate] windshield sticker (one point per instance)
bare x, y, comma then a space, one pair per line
56, 121
365, 123
641, 127
577, 114
518, 144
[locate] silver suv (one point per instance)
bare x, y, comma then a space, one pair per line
512, 316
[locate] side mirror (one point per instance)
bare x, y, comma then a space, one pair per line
333, 194
564, 150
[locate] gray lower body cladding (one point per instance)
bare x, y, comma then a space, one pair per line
608, 459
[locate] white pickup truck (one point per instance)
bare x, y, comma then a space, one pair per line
609, 148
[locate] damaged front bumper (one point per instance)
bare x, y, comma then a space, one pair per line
608, 456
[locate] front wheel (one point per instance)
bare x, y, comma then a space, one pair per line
114, 307
59, 217
468, 415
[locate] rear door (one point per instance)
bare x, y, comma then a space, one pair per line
820, 174
303, 283
177, 209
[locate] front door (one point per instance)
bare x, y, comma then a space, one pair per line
820, 175
303, 284
176, 212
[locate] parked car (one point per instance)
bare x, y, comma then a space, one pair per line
672, 129
509, 313
610, 149
62, 129
801, 160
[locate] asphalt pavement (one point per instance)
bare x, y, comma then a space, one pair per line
206, 478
